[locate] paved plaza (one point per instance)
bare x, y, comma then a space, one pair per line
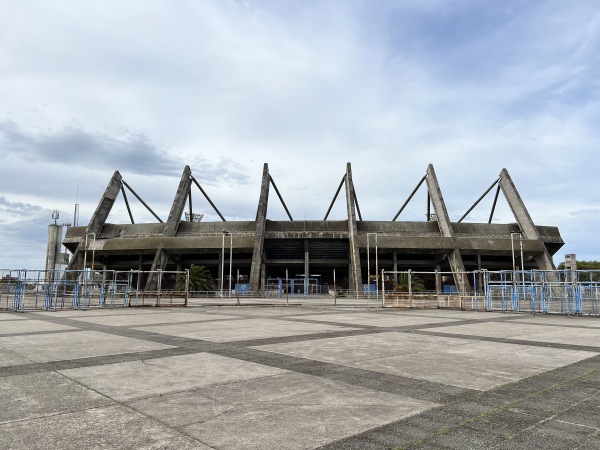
303, 376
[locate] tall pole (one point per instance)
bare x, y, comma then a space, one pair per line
334, 292
85, 253
369, 262
512, 248
376, 270
287, 287
522, 263
368, 265
237, 288
230, 260
222, 264
93, 252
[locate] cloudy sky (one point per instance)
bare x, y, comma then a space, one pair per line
148, 86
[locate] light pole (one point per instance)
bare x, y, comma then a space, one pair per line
369, 264
86, 248
85, 277
512, 247
225, 232
230, 261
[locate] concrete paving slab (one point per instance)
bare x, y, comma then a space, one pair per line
287, 390
74, 345
10, 358
95, 311
9, 315
481, 365
381, 319
348, 349
349, 391
240, 330
159, 376
44, 394
114, 427
468, 364
586, 336
8, 327
270, 311
295, 411
544, 319
131, 320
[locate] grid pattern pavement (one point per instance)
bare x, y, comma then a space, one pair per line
299, 377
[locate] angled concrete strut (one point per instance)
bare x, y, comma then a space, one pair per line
355, 272
259, 236
99, 217
443, 220
161, 257
543, 260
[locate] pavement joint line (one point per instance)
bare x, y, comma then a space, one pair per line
485, 415
242, 350
124, 404
389, 383
53, 366
510, 341
36, 333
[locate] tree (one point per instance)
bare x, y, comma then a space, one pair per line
200, 280
416, 283
585, 265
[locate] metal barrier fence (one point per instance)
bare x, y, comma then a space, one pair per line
534, 291
22, 290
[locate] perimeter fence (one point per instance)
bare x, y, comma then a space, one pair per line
22, 290
534, 291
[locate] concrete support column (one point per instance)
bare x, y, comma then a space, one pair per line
355, 272
98, 219
306, 259
161, 257
517, 206
395, 268
438, 279
259, 236
443, 220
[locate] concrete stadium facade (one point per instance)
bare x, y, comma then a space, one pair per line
263, 250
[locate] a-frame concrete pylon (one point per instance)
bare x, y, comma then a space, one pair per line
528, 228
161, 257
98, 219
259, 237
443, 220
355, 267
